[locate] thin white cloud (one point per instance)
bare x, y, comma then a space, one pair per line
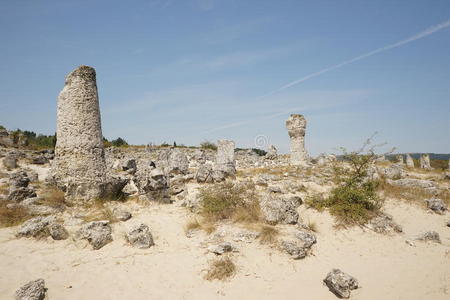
413, 38
247, 57
317, 100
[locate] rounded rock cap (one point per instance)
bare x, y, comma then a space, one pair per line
84, 72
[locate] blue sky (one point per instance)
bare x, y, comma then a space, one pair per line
195, 70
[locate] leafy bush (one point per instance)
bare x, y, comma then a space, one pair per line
119, 142
260, 152
208, 145
354, 200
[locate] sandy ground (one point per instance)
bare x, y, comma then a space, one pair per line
386, 267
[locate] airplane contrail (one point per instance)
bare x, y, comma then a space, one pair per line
415, 37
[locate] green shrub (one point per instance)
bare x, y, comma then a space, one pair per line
208, 145
260, 152
354, 200
119, 142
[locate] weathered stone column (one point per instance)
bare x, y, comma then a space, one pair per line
225, 155
79, 165
296, 125
400, 159
409, 161
225, 163
425, 161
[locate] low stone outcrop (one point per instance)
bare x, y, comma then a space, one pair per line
10, 161
272, 152
424, 162
140, 236
436, 205
221, 248
33, 290
384, 223
409, 161
293, 249
278, 209
340, 283
429, 236
121, 214
36, 227
97, 233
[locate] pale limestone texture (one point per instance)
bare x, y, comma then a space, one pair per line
425, 161
296, 125
409, 161
79, 166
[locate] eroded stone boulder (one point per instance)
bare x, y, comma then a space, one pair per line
36, 227
33, 290
278, 209
340, 283
436, 205
97, 233
140, 236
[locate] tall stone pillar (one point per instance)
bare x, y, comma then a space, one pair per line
296, 126
79, 165
425, 161
409, 161
225, 156
400, 160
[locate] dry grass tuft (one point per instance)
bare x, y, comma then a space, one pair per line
221, 269
53, 197
312, 226
268, 234
193, 224
4, 190
229, 201
100, 214
12, 216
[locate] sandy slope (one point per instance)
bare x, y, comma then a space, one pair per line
386, 267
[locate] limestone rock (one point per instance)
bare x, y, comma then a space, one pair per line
58, 232
33, 290
121, 214
79, 166
436, 205
221, 248
384, 223
140, 237
36, 227
293, 249
204, 173
429, 236
97, 233
400, 159
225, 161
307, 239
277, 209
393, 172
296, 125
129, 165
272, 152
340, 283
178, 162
409, 161
424, 162
10, 162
